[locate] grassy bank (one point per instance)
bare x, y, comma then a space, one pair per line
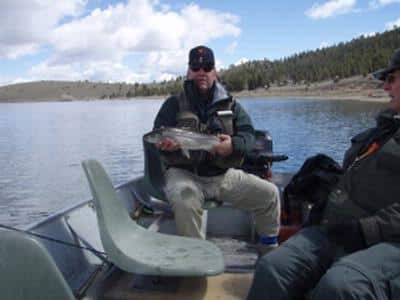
354, 88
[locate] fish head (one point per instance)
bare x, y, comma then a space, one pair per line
153, 137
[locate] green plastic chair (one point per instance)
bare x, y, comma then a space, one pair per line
154, 169
28, 272
135, 249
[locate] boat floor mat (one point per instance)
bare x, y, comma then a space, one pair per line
239, 256
156, 283
225, 286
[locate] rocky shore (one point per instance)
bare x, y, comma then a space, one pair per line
355, 88
362, 88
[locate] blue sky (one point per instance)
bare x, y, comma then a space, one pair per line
146, 40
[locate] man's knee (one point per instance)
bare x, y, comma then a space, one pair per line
270, 188
268, 277
187, 205
270, 201
184, 197
270, 197
270, 263
343, 282
266, 192
274, 196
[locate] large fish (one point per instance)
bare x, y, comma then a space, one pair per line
187, 139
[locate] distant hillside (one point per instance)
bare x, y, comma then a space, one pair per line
301, 71
73, 90
360, 56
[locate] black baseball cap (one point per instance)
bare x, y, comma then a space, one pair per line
201, 55
394, 64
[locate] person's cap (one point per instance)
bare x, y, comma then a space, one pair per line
201, 55
394, 64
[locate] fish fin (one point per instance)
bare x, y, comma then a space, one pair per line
186, 153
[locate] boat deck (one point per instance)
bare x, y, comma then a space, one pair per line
226, 286
231, 229
90, 277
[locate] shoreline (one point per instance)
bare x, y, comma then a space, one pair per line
357, 88
336, 97
242, 96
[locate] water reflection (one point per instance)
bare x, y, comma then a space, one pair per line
43, 144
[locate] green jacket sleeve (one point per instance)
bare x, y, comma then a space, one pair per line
243, 138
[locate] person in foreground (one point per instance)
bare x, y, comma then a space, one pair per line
205, 106
355, 252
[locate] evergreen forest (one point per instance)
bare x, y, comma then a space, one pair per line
359, 56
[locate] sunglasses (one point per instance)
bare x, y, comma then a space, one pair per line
390, 78
207, 67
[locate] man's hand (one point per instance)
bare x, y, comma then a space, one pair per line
168, 144
348, 234
224, 148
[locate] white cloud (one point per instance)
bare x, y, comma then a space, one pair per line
5, 80
139, 27
166, 76
99, 71
393, 24
113, 72
231, 47
44, 71
380, 3
8, 80
217, 25
386, 2
330, 8
324, 45
27, 24
242, 60
368, 34
162, 64
96, 45
13, 51
219, 64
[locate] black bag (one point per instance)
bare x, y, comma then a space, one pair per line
312, 184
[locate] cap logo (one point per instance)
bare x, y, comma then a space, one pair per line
201, 53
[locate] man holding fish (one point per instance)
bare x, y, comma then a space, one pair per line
201, 162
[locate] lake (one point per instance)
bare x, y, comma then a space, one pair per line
43, 144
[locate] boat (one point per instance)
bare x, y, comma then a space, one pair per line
122, 244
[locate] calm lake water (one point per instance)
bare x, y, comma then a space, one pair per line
43, 144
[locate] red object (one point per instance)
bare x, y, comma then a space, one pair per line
290, 223
287, 231
267, 173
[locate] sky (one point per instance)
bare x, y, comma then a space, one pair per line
148, 40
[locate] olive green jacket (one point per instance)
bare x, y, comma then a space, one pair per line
371, 185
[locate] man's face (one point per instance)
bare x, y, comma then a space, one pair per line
203, 80
392, 87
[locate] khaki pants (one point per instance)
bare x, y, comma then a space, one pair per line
186, 193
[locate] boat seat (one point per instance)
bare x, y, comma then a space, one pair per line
135, 249
154, 170
28, 271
